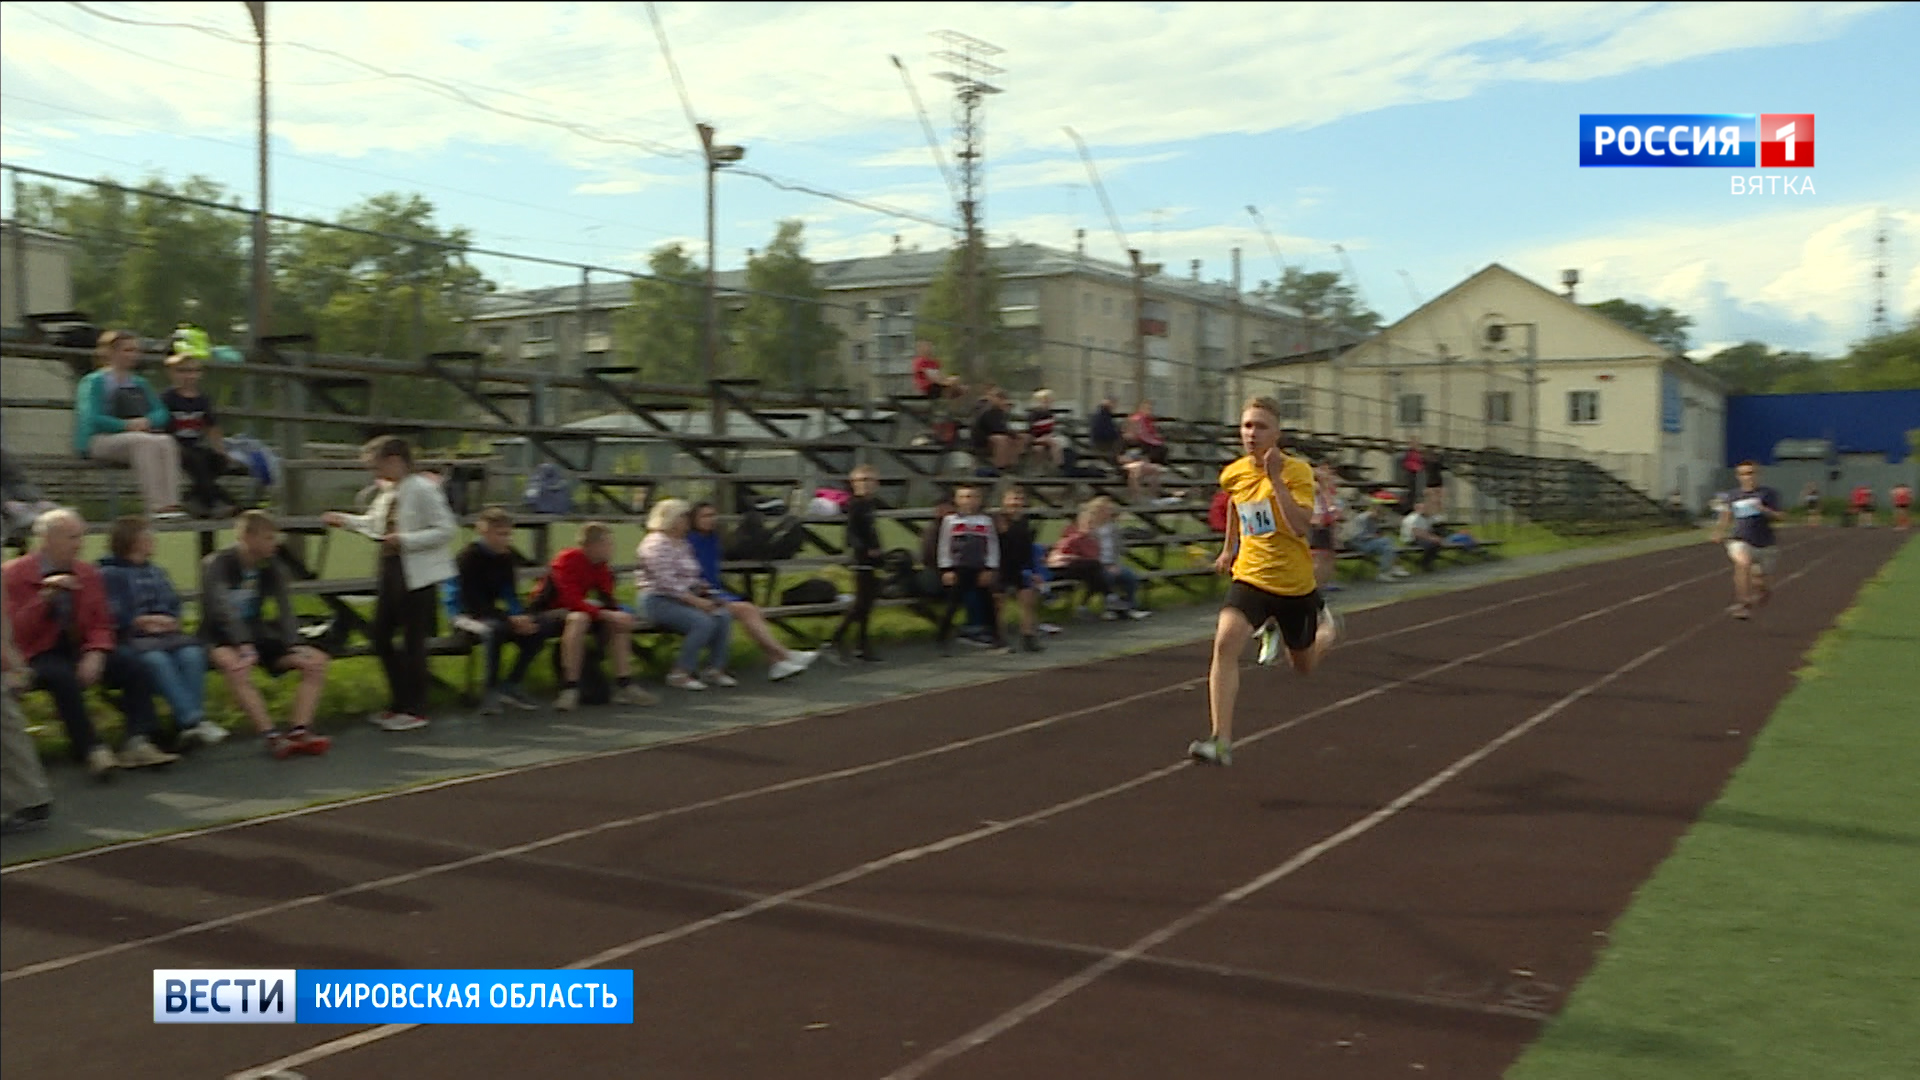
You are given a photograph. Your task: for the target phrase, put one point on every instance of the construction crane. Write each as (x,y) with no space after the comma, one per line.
(926,125)
(1140,269)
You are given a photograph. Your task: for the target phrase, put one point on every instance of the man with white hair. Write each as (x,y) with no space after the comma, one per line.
(62,624)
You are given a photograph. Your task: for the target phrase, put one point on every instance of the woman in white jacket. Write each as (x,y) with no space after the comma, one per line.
(416,528)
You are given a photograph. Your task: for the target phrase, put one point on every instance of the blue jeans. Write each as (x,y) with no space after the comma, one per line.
(1381,548)
(711,634)
(1124,584)
(180,675)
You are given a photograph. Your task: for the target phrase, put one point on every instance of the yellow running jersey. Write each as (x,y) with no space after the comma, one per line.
(1269,558)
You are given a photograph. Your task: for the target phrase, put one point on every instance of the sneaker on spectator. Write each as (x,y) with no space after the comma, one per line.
(279,745)
(1048,628)
(517,698)
(491,705)
(631,695)
(794,664)
(680,680)
(139,753)
(204,733)
(1137,614)
(25,818)
(304,741)
(1400,572)
(398,721)
(568,700)
(716,677)
(101,762)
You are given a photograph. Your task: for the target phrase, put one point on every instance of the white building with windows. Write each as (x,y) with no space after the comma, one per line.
(1456,371)
(1070,316)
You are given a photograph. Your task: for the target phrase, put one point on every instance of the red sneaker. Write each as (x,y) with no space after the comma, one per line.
(281,745)
(306,742)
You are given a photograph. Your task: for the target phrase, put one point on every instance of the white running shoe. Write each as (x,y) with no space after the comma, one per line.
(1211,751)
(396,721)
(206,733)
(1269,644)
(794,664)
(1332,627)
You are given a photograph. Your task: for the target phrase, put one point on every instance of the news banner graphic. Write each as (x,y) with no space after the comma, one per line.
(1697,141)
(268,996)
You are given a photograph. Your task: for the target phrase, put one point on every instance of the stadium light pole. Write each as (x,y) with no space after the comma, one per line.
(262,311)
(718,157)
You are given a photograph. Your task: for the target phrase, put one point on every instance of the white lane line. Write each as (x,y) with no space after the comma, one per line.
(798,783)
(335,1047)
(1060,991)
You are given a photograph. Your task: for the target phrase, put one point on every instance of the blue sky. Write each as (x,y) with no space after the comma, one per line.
(1427,139)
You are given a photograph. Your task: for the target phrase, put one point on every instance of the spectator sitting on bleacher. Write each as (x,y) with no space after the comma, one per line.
(65,632)
(26,800)
(1042,437)
(490,609)
(1144,432)
(118,418)
(580,583)
(1416,530)
(1123,584)
(995,444)
(705,540)
(146,617)
(235,586)
(674,595)
(194,425)
(1144,476)
(863,557)
(1369,539)
(22,498)
(1103,431)
(926,371)
(1076,555)
(1019,577)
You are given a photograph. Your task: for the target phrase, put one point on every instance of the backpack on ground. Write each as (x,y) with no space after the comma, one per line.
(811,591)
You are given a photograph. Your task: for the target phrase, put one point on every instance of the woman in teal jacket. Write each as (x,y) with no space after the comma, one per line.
(118,418)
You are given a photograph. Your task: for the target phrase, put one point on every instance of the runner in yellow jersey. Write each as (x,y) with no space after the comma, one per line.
(1270,513)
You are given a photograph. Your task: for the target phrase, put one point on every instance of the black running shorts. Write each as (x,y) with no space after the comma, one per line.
(1297,616)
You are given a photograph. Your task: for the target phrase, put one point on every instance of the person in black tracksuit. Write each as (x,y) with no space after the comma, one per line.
(863,553)
(969,557)
(1018,577)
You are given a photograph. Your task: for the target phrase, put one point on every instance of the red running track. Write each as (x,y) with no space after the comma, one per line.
(1413,860)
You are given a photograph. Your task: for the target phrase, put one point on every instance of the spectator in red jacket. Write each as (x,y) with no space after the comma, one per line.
(64,629)
(926,372)
(580,583)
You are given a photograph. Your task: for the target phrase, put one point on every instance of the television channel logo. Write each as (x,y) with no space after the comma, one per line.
(1697,140)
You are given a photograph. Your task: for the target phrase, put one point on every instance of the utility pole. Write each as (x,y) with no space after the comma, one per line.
(1139,326)
(262,314)
(717,157)
(968,57)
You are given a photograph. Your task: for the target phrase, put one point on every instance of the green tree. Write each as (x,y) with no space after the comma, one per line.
(1665,326)
(784,336)
(146,261)
(660,333)
(943,319)
(1323,297)
(1753,368)
(390,283)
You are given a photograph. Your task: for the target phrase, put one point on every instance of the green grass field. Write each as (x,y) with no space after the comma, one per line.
(1779,940)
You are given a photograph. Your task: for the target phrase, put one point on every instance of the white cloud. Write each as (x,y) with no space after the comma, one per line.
(1794,278)
(1138,74)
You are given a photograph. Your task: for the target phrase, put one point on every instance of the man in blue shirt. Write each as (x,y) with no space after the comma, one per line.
(1749,513)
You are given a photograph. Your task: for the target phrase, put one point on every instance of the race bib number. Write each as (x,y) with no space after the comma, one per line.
(1746,508)
(1256,519)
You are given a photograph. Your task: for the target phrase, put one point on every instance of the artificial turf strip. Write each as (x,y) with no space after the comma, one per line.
(1780,938)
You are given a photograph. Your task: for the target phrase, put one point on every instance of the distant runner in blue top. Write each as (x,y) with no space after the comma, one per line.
(1750,510)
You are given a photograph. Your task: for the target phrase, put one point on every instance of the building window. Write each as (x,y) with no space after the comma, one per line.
(860,311)
(1583,406)
(859,353)
(1412,410)
(1293,403)
(1500,407)
(540,330)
